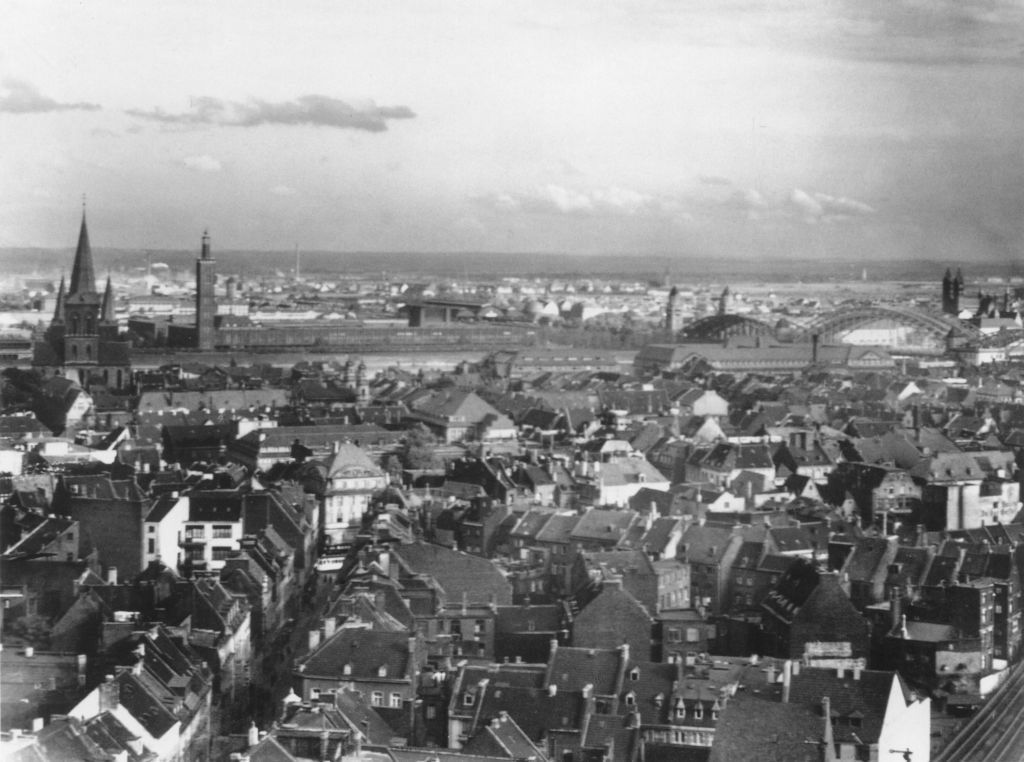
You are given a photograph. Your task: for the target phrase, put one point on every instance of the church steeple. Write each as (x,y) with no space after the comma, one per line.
(107,311)
(58,312)
(83,275)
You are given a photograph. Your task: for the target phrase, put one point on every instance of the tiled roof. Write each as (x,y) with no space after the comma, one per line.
(864,698)
(570,669)
(364,651)
(602,525)
(458,573)
(558,528)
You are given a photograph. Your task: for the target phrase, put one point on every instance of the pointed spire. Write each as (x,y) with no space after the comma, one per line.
(58,312)
(107,314)
(83,276)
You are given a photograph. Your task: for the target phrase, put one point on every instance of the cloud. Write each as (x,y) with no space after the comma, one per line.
(20,97)
(559,199)
(317,110)
(715,180)
(283,190)
(823,207)
(204,163)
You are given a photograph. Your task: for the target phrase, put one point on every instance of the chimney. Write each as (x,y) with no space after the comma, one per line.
(109,693)
(329,626)
(112,575)
(857,672)
(552,689)
(29,652)
(253,737)
(840,672)
(37,724)
(827,741)
(770,673)
(796,667)
(895,609)
(314,639)
(787,678)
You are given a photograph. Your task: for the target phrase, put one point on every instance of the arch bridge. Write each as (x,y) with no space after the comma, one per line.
(908,327)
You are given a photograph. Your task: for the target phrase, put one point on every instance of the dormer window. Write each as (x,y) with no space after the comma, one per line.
(468,699)
(634,674)
(698,711)
(631,699)
(382,671)
(680,712)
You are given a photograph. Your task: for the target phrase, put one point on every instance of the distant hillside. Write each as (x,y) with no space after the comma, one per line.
(423,265)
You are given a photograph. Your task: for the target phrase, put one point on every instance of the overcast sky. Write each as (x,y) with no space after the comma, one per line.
(864,129)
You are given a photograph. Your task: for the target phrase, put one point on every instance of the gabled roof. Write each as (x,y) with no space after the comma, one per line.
(602,525)
(350,460)
(363,651)
(571,669)
(457,573)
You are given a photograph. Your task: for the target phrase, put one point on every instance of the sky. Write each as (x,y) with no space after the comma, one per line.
(854,130)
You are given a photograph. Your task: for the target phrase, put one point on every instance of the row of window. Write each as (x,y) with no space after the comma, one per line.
(377,698)
(219,532)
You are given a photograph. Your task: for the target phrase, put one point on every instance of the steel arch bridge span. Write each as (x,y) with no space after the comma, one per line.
(930,327)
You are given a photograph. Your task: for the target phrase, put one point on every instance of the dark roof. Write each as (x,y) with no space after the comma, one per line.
(365,651)
(458,573)
(570,669)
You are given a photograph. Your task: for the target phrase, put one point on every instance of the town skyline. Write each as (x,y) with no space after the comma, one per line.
(864,131)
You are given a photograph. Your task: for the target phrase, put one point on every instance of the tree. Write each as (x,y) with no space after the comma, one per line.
(33,629)
(418,451)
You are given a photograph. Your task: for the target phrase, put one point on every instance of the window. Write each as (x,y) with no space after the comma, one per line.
(195,533)
(150,529)
(396,700)
(692,635)
(468,699)
(222,532)
(634,674)
(347,669)
(151,545)
(314,693)
(675,635)
(382,670)
(479,627)
(377,698)
(431,711)
(631,699)
(222,552)
(680,712)
(698,711)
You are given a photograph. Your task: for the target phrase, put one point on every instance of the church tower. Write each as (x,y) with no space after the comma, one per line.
(725,301)
(206,302)
(82,307)
(952,287)
(673,312)
(83,341)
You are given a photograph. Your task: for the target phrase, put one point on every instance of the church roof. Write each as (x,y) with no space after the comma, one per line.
(107,314)
(83,275)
